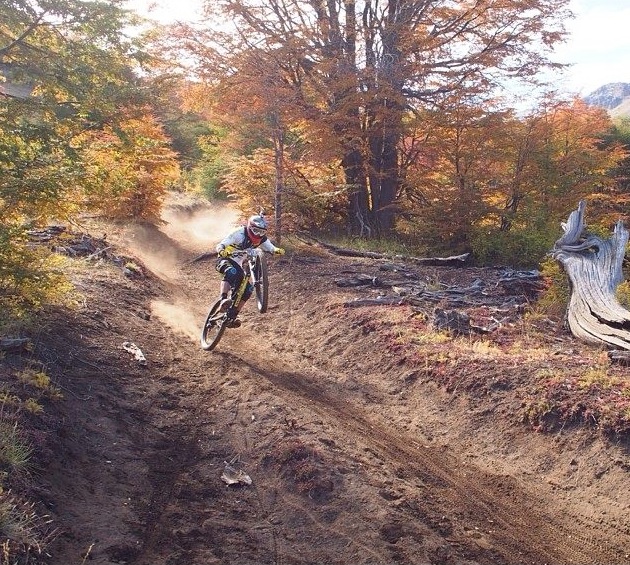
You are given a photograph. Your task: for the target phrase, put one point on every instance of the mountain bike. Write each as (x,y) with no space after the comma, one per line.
(218,320)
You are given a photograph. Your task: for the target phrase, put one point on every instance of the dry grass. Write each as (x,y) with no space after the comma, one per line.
(562,381)
(596,396)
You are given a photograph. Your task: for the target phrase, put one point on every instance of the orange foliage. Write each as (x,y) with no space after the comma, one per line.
(478,168)
(129,170)
(311,197)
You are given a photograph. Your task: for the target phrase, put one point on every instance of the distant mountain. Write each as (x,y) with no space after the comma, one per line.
(615,97)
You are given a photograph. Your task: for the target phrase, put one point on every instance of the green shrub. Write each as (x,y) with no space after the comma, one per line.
(29,278)
(623,294)
(517,248)
(554,299)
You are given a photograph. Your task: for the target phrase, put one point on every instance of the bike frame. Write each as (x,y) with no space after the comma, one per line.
(249,272)
(254,267)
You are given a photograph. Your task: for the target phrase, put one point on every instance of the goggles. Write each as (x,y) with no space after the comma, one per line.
(258,231)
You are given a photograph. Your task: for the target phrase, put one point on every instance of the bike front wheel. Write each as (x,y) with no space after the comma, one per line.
(261,285)
(213,327)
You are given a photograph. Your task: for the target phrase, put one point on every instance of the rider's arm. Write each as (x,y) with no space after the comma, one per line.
(271,248)
(267,246)
(233,239)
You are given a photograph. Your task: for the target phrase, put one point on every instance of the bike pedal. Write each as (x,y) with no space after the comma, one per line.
(233,323)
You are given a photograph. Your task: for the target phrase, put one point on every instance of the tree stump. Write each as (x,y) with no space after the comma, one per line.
(594,268)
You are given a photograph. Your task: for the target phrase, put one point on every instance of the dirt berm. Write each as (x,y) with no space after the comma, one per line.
(360,436)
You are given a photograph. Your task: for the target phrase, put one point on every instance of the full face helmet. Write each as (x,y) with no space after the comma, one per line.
(256,228)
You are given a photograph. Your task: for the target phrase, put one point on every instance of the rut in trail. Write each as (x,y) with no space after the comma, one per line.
(355,454)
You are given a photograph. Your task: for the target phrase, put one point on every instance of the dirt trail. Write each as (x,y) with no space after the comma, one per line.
(355,454)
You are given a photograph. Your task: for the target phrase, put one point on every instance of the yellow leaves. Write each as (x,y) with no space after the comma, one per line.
(311,192)
(29,278)
(129,170)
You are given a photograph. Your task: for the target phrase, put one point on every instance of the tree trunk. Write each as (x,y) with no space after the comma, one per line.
(594,267)
(384,180)
(359,213)
(278,144)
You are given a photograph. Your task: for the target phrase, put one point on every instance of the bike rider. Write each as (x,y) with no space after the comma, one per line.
(232,254)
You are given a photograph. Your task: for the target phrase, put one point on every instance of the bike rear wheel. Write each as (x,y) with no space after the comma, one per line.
(213,327)
(261,287)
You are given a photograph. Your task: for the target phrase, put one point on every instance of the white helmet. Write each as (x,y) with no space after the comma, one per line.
(256,226)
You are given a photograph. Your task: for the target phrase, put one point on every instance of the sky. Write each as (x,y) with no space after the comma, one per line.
(598,47)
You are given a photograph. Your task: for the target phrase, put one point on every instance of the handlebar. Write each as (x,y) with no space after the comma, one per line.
(251,252)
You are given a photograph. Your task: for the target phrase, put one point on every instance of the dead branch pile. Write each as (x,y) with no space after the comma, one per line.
(497,296)
(75,244)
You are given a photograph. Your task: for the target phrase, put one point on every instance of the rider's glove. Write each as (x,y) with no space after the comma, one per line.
(278,251)
(225,251)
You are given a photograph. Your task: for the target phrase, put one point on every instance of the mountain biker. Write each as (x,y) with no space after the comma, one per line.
(232,254)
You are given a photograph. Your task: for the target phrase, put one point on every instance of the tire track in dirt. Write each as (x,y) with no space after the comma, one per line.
(169,446)
(520,530)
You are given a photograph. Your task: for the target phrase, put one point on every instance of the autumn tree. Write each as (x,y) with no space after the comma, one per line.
(503,181)
(454,156)
(64,68)
(356,69)
(128,171)
(555,157)
(614,203)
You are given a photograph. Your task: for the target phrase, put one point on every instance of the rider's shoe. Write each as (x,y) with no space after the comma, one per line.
(235,323)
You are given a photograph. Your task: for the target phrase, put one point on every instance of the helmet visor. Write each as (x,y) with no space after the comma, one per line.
(258,231)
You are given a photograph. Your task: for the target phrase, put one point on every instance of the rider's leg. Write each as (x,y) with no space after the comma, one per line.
(232,276)
(234,311)
(225,288)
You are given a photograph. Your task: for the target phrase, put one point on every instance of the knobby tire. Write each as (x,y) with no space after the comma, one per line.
(262,283)
(213,328)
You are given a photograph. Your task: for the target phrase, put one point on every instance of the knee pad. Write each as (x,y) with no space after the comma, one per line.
(231,271)
(231,275)
(222,266)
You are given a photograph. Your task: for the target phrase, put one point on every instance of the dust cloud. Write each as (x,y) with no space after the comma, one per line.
(179,317)
(199,229)
(189,229)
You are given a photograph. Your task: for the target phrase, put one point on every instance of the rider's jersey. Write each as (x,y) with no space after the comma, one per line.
(241,241)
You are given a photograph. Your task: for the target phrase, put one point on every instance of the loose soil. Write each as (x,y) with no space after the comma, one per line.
(367,439)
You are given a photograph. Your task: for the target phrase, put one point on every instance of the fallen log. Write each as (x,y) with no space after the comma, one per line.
(451,261)
(15,344)
(379,301)
(594,268)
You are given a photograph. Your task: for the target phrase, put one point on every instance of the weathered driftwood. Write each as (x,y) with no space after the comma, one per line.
(497,302)
(594,268)
(529,283)
(378,301)
(459,323)
(620,357)
(359,279)
(65,242)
